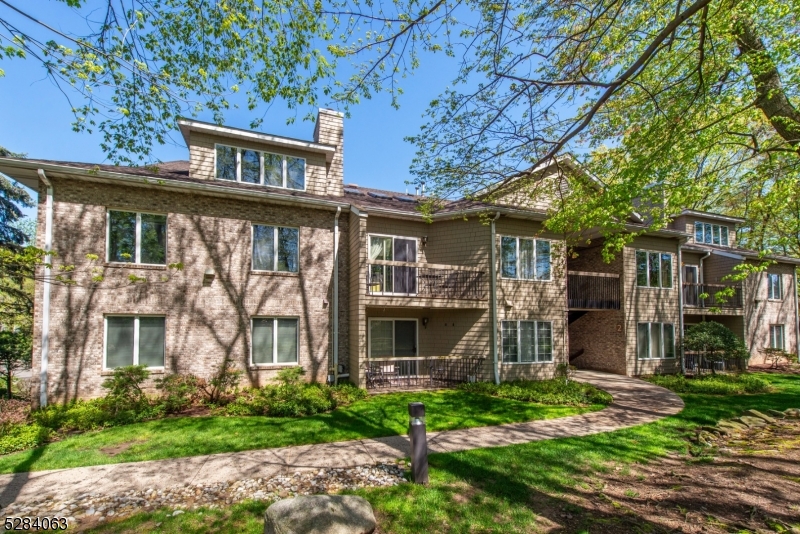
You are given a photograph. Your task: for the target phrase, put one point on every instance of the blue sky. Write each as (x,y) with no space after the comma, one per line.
(37,120)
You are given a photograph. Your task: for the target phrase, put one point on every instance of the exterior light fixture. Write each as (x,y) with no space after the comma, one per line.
(208,276)
(424,240)
(419,442)
(425,322)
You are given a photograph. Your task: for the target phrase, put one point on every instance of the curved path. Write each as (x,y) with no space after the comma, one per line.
(635,402)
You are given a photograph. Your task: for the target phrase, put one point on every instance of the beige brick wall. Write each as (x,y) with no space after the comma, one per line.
(205,323)
(760,312)
(601,335)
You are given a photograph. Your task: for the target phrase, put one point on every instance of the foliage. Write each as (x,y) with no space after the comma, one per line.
(716,341)
(222,385)
(15,354)
(13,412)
(291,376)
(565,371)
(21,437)
(293,398)
(125,393)
(713,384)
(178,392)
(80,415)
(554,392)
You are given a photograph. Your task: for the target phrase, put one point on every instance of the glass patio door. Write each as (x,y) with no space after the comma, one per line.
(405,278)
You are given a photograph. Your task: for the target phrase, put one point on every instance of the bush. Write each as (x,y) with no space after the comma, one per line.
(221,388)
(712,384)
(178,392)
(12,413)
(25,436)
(346,394)
(555,391)
(125,390)
(716,341)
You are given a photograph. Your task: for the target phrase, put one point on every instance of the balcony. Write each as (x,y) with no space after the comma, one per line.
(424,372)
(592,291)
(704,296)
(425,281)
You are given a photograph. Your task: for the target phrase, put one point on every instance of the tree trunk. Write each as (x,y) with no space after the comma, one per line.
(771,97)
(8,384)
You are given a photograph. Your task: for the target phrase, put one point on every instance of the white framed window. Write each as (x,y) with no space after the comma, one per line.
(527,341)
(392,279)
(653,269)
(655,341)
(774,286)
(776,338)
(250,166)
(136,237)
(134,340)
(274,340)
(524,258)
(711,234)
(393,337)
(275,248)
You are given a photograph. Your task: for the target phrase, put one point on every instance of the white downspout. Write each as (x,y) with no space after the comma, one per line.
(493,286)
(336,296)
(48,243)
(796,317)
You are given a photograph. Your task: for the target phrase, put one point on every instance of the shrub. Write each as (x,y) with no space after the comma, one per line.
(21,437)
(716,341)
(346,394)
(178,392)
(291,375)
(125,392)
(555,391)
(80,415)
(13,412)
(712,384)
(221,388)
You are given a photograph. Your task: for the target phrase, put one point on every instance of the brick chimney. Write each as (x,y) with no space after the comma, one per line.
(330,131)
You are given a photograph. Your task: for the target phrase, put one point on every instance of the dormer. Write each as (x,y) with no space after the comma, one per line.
(708,228)
(279,164)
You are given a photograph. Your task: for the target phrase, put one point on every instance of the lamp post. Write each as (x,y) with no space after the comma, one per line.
(419,442)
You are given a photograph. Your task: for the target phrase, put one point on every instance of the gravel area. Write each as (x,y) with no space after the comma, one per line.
(94,507)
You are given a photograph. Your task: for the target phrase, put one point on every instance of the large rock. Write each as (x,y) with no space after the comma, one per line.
(320,514)
(752,422)
(756,413)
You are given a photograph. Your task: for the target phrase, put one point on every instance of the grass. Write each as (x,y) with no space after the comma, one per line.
(503,490)
(713,384)
(379,415)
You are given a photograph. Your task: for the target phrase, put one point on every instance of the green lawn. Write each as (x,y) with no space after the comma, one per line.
(501,489)
(380,415)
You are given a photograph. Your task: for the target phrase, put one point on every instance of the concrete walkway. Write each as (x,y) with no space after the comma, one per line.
(635,402)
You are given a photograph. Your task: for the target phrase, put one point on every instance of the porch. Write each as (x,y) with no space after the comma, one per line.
(698,298)
(422,372)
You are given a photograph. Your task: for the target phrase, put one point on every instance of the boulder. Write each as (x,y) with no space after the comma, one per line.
(776,414)
(733,425)
(756,413)
(793,413)
(752,422)
(320,514)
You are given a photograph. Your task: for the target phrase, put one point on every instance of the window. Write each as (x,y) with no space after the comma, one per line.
(711,234)
(774,286)
(392,279)
(655,341)
(275,248)
(392,338)
(134,340)
(137,238)
(524,259)
(776,337)
(653,269)
(527,341)
(274,341)
(263,168)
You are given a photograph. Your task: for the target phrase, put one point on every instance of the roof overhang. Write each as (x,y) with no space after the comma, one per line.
(188,126)
(713,216)
(26,172)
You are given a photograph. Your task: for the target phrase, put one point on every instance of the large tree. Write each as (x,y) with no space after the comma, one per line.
(670,103)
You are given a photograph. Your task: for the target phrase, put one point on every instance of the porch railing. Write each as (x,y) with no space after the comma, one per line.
(425,280)
(699,363)
(593,291)
(423,371)
(705,296)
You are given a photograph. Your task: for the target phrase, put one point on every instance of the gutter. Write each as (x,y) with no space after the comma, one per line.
(493,285)
(48,243)
(336,296)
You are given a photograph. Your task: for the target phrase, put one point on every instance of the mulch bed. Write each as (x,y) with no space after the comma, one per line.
(748,483)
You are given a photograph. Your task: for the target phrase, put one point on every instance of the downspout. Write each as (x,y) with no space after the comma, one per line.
(48,242)
(493,286)
(680,305)
(336,296)
(796,317)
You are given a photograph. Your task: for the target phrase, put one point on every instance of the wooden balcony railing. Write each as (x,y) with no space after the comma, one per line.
(423,371)
(705,296)
(393,278)
(592,291)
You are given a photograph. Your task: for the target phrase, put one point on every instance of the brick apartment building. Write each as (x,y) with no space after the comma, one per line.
(284,264)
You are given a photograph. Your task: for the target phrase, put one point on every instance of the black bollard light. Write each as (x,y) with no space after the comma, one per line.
(419,442)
